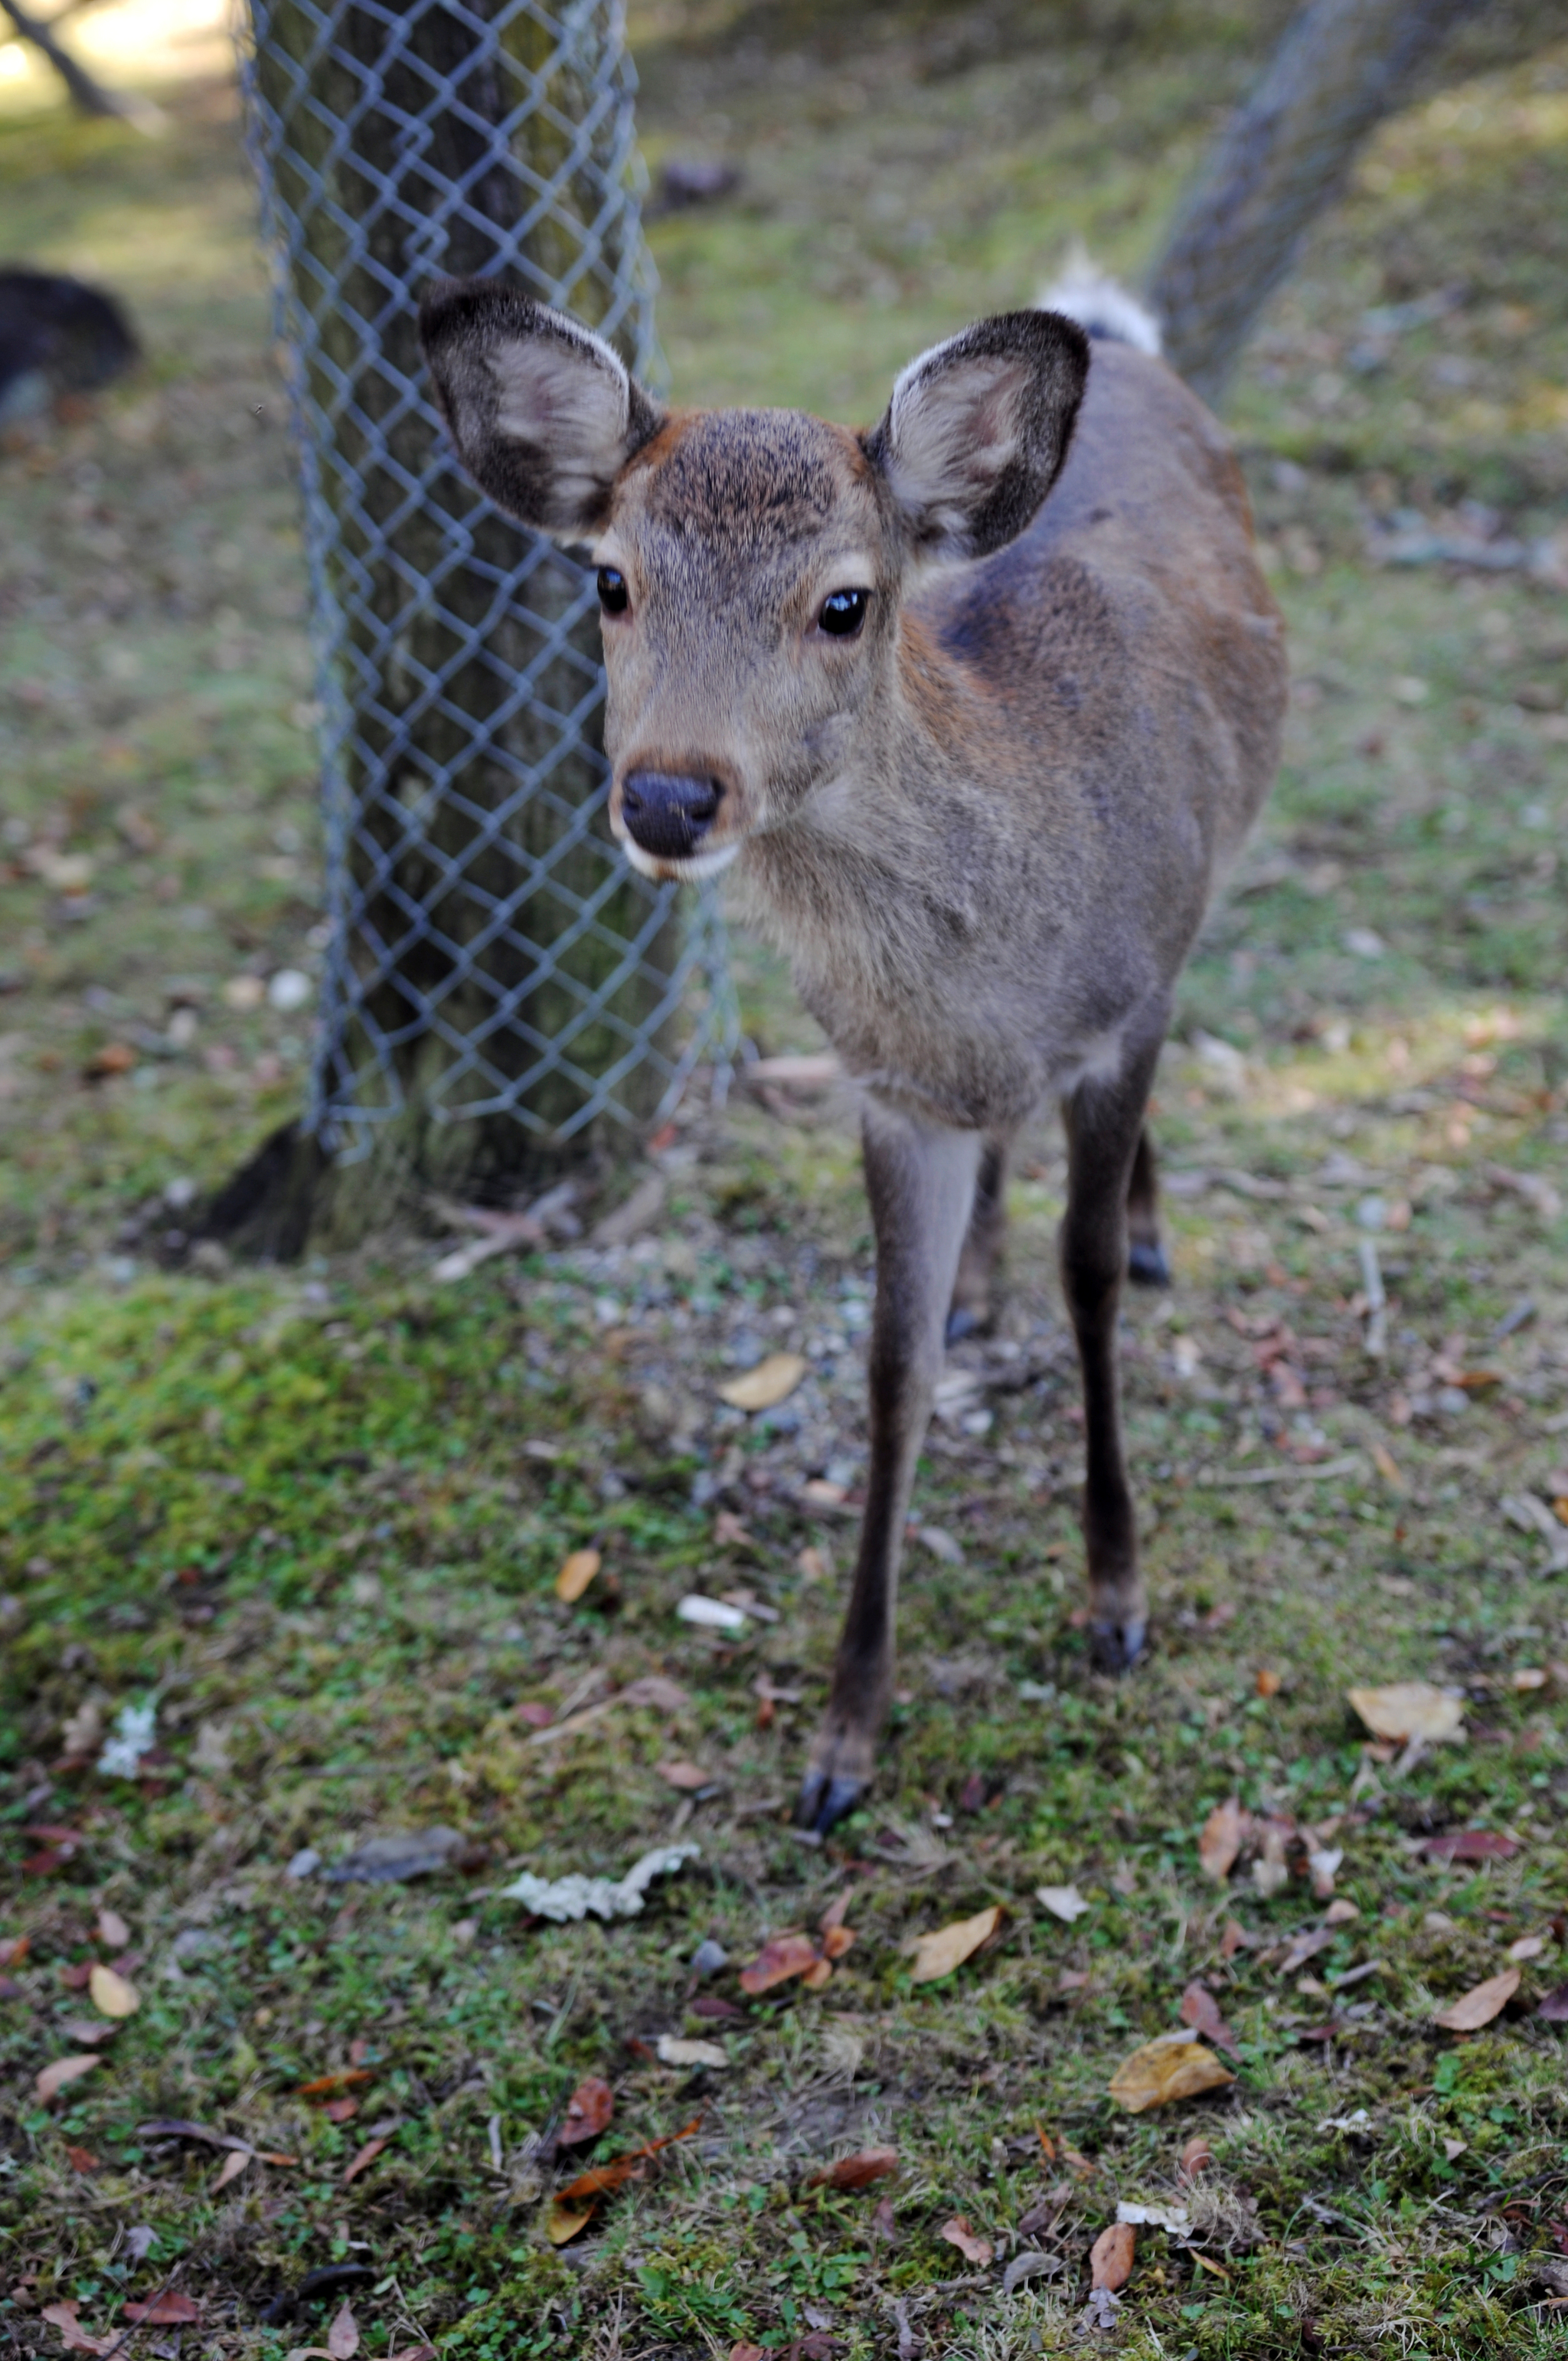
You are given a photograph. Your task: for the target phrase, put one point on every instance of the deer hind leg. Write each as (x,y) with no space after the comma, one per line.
(920,1180)
(1146,1263)
(1105,1123)
(973,1307)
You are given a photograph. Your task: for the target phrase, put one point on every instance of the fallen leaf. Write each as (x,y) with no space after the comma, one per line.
(1111,2257)
(365,2159)
(1478,2006)
(113,1930)
(1220,1841)
(687,1776)
(179,2128)
(53,2079)
(1063,1902)
(747,2353)
(1409,1709)
(232,2165)
(1175,2066)
(343,2336)
(576,1574)
(836,1910)
(77,2338)
(1470,1844)
(344,2079)
(1341,1912)
(939,1954)
(1197,2155)
(710,1614)
(1529,1947)
(836,1941)
(81,2159)
(588,2110)
(168,2309)
(1530,1677)
(1267,1681)
(1554,2007)
(1201,2010)
(957,2233)
(672,2051)
(769,1383)
(341,2111)
(856,2171)
(1218,2268)
(1453,2148)
(820,1973)
(112,1995)
(781,1957)
(565,2220)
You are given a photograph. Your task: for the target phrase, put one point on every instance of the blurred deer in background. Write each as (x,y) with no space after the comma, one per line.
(980,703)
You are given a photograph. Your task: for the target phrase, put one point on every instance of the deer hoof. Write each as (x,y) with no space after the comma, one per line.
(825,1797)
(1147,1264)
(1117,1645)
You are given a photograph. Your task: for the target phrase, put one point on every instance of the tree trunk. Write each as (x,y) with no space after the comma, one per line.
(494,968)
(1285,155)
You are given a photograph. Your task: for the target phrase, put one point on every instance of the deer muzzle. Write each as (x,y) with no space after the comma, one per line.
(668,813)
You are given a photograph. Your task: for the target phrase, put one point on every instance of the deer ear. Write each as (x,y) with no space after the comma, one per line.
(543,414)
(978,428)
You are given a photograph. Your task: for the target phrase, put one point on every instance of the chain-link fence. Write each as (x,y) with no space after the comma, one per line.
(499,982)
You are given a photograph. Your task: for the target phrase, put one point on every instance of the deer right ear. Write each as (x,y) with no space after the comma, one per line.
(978,428)
(543,414)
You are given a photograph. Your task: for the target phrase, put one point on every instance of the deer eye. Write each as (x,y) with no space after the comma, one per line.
(843,613)
(614,595)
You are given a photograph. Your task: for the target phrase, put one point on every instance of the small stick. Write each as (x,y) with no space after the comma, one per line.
(1377,1344)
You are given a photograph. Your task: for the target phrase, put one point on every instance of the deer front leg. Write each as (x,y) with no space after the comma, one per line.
(920,1179)
(1104,1129)
(1146,1263)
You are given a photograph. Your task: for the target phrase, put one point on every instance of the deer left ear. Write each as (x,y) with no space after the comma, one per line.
(978,428)
(543,414)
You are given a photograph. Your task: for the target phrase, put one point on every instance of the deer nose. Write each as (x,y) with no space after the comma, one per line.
(668,813)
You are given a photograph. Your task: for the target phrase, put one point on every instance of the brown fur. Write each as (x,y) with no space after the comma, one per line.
(985,829)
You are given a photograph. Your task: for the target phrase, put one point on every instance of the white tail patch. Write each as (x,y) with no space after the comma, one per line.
(1096,301)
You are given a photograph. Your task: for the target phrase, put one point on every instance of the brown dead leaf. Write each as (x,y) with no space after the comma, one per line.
(51,2080)
(576,1574)
(1197,2155)
(1201,2010)
(1175,2066)
(781,1957)
(939,1954)
(856,2171)
(1470,1844)
(836,1910)
(957,2233)
(347,2079)
(232,2165)
(747,2353)
(572,2208)
(365,2158)
(77,2338)
(1478,2006)
(1220,1841)
(112,1930)
(769,1383)
(1409,1709)
(81,2159)
(819,1973)
(588,2110)
(343,2336)
(1267,1681)
(341,2111)
(112,1995)
(687,1776)
(1111,2257)
(167,2309)
(836,1941)
(565,2218)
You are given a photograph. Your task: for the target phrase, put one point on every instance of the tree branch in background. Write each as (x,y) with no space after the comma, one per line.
(86,92)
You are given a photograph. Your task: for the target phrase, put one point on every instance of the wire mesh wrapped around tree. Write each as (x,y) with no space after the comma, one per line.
(501,987)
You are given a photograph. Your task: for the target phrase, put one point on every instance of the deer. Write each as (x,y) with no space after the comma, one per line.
(978,705)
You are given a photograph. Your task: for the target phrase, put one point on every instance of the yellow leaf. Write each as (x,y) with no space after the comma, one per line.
(576,1574)
(565,2218)
(1478,2006)
(1409,1709)
(112,1994)
(769,1383)
(939,1954)
(53,2079)
(1175,2066)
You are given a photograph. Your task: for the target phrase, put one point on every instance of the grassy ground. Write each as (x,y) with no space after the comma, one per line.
(315,1516)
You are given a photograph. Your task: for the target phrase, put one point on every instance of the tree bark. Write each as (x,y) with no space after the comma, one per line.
(1286,154)
(481,981)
